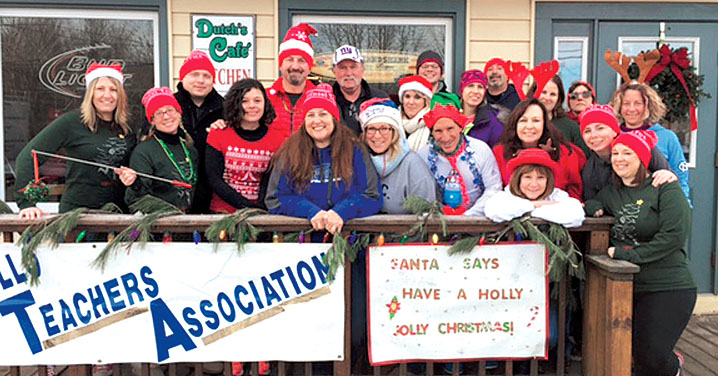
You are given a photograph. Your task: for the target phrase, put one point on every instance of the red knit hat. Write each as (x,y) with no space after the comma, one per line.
(533,156)
(598,113)
(297,42)
(158,97)
(470,77)
(416,83)
(322,96)
(95,71)
(442,111)
(495,61)
(197,60)
(641,142)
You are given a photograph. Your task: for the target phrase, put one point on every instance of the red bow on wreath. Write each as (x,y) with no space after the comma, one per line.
(676,60)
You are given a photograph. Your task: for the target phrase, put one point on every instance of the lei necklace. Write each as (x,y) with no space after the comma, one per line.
(192,178)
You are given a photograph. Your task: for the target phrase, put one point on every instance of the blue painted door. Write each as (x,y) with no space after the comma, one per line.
(700,38)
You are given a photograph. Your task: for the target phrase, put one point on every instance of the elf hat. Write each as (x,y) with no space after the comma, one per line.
(297,42)
(417,83)
(197,60)
(322,96)
(380,110)
(533,156)
(598,113)
(449,99)
(429,56)
(95,71)
(158,97)
(444,111)
(495,61)
(641,142)
(470,77)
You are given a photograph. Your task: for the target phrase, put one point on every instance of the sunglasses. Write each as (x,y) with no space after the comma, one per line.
(584,95)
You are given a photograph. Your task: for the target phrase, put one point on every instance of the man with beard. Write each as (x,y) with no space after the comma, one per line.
(201,106)
(350,89)
(500,92)
(296,58)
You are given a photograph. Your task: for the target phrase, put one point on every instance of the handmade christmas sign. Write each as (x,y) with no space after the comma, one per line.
(491,303)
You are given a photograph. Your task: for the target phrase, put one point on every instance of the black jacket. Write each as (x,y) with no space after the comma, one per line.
(196,120)
(349,110)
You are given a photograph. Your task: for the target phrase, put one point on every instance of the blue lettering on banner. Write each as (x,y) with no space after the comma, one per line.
(161,316)
(17,305)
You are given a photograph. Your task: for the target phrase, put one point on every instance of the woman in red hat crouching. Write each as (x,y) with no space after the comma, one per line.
(532,189)
(650,229)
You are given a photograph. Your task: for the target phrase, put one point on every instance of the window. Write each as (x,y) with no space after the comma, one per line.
(632,46)
(572,55)
(389,45)
(43,59)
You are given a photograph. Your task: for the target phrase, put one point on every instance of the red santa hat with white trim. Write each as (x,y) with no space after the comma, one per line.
(416,83)
(297,42)
(96,70)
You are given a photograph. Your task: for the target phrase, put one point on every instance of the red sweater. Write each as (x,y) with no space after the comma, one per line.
(571,165)
(245,162)
(289,118)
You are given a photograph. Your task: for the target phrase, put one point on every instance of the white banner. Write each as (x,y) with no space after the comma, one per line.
(174,302)
(230,42)
(426,305)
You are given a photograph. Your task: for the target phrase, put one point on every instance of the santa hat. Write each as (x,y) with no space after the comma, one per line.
(641,142)
(444,111)
(602,114)
(197,60)
(297,42)
(416,83)
(495,61)
(322,96)
(429,56)
(380,110)
(533,156)
(158,97)
(95,71)
(472,76)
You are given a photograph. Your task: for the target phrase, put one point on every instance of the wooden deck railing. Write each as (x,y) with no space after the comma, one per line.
(607,299)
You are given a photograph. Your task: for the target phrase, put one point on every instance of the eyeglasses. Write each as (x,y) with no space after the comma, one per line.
(170,111)
(382,131)
(584,95)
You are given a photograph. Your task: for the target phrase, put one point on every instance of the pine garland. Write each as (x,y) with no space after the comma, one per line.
(424,210)
(138,232)
(235,226)
(4,208)
(50,231)
(341,249)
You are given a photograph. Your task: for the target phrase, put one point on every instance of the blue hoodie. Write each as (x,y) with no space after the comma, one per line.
(363,198)
(670,147)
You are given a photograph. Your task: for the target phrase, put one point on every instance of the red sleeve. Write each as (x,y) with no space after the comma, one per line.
(572,164)
(499,154)
(214,139)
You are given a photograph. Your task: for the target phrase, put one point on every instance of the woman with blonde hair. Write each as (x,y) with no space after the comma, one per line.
(415,94)
(401,171)
(98,132)
(639,107)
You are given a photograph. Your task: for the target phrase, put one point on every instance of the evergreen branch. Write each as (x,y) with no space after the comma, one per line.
(335,255)
(424,210)
(151,204)
(293,237)
(4,208)
(235,226)
(464,246)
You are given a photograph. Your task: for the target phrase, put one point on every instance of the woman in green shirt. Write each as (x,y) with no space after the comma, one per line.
(650,230)
(98,132)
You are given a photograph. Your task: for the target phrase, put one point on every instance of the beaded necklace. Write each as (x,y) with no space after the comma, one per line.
(192,178)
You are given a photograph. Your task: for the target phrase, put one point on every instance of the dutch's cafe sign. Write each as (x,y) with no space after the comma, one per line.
(230,43)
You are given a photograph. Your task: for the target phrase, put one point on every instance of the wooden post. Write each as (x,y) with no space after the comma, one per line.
(344,368)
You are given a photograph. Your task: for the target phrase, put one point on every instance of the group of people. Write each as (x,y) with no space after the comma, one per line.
(331,153)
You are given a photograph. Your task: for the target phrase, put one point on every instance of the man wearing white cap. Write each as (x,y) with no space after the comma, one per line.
(350,89)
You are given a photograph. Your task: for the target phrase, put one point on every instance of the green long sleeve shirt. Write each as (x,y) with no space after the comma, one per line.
(150,158)
(650,230)
(85,186)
